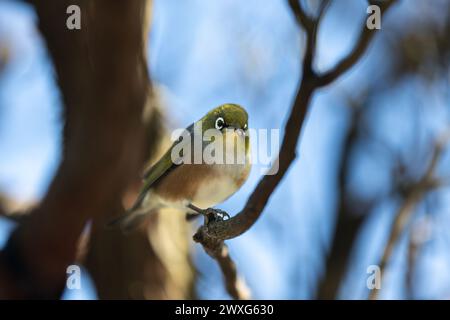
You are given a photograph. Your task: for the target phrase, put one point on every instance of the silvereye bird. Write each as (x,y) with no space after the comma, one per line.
(195,186)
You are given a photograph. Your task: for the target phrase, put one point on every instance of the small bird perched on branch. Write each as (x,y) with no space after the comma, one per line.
(195,177)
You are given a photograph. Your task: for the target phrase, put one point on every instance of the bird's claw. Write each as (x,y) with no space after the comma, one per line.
(215,215)
(210,214)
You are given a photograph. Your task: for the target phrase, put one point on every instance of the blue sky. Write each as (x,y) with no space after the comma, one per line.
(205,53)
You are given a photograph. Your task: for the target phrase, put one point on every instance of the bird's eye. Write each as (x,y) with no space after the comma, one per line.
(245,126)
(220,123)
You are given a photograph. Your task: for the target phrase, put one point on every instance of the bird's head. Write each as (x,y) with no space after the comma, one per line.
(226,116)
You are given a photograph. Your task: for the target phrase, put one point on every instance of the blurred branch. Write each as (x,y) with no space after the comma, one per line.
(102,74)
(413,252)
(300,15)
(240,223)
(350,213)
(361,45)
(416,193)
(403,59)
(211,235)
(217,250)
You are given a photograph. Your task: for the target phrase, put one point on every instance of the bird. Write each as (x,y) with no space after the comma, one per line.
(176,181)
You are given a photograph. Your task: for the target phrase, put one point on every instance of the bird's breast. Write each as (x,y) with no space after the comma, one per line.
(204,185)
(222,184)
(227,177)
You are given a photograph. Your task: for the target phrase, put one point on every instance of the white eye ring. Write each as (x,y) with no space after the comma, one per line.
(245,126)
(220,123)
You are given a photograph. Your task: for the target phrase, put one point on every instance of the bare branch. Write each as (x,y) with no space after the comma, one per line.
(15,211)
(311,26)
(350,210)
(324,4)
(361,45)
(416,193)
(212,234)
(257,201)
(300,15)
(219,251)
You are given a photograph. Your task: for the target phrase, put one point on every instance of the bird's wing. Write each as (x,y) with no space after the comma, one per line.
(158,170)
(152,175)
(164,164)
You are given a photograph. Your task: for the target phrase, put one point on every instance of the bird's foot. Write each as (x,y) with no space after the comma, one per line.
(213,215)
(210,214)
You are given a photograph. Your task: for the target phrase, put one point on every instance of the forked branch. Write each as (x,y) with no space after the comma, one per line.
(218,231)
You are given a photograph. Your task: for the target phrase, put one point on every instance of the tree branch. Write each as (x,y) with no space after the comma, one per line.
(217,250)
(417,192)
(102,73)
(361,45)
(212,234)
(300,15)
(350,211)
(257,201)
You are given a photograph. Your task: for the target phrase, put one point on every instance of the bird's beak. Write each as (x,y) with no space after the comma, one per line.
(238,131)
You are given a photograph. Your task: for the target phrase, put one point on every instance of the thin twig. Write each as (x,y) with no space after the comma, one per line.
(416,193)
(217,250)
(300,15)
(214,233)
(350,209)
(364,39)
